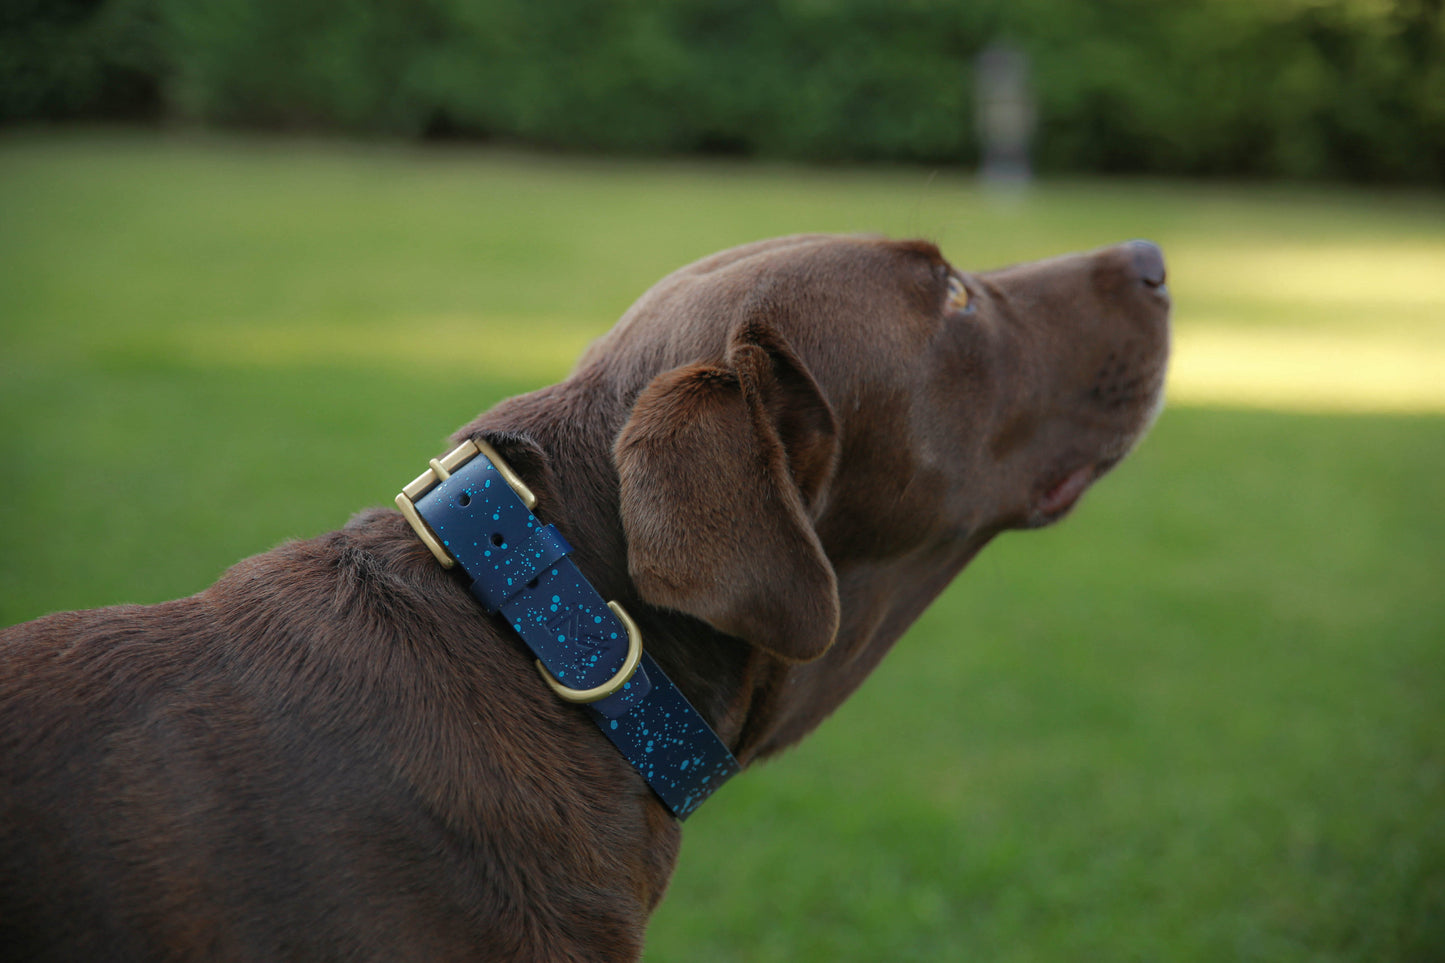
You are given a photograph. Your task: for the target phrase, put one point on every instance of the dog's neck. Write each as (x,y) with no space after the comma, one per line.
(757,703)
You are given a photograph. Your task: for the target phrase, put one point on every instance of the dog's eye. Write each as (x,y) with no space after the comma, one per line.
(958,299)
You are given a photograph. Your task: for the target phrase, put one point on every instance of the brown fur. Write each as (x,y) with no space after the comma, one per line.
(776,460)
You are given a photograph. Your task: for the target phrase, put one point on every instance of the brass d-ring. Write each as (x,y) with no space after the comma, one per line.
(612,685)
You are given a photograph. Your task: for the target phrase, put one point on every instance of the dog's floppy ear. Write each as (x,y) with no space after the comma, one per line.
(723,468)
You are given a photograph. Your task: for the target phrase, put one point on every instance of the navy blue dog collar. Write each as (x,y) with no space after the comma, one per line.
(472,510)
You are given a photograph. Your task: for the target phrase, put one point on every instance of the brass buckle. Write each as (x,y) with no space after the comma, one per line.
(441,469)
(612,685)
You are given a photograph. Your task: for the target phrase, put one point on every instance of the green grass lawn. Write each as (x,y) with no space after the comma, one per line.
(1204,719)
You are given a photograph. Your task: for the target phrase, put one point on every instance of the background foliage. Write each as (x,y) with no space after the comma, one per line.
(1300,88)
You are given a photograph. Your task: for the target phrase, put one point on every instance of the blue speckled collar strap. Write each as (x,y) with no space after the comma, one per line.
(468,512)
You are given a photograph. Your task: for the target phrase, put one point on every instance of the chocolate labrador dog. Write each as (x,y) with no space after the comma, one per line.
(342,750)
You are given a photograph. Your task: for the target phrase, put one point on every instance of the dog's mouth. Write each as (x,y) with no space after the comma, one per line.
(1057,497)
(1061,490)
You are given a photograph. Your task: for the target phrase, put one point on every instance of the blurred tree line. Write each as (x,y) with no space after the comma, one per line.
(1296,88)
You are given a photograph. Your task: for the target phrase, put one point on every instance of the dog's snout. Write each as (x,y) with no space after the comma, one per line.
(1147,260)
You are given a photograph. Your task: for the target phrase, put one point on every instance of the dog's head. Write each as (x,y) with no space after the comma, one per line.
(816,410)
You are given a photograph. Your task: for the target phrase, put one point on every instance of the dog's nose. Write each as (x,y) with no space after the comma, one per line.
(1148,262)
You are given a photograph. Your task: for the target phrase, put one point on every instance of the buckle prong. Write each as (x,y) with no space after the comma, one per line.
(441,469)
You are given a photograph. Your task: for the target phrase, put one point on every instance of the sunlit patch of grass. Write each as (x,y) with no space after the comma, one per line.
(1390,290)
(1379,277)
(1293,369)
